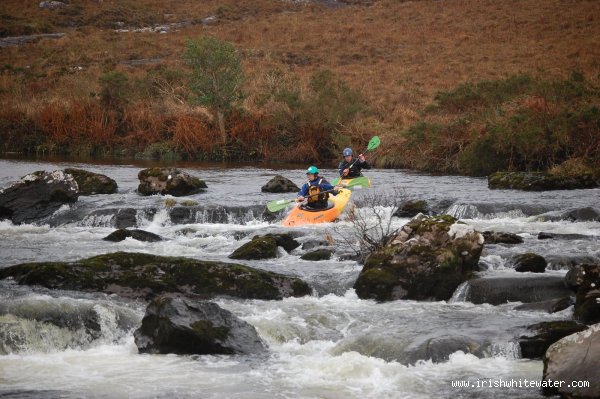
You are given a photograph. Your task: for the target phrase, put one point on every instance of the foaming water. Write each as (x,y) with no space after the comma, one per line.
(329,345)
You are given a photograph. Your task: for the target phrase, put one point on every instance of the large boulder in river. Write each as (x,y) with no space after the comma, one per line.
(540,181)
(185,326)
(497,290)
(37,195)
(92,183)
(574,358)
(540,336)
(427,259)
(280,184)
(137,275)
(170,181)
(585,281)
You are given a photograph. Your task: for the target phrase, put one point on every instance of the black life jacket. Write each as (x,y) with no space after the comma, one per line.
(315,194)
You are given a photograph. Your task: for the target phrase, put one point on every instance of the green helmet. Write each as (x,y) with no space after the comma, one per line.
(312,170)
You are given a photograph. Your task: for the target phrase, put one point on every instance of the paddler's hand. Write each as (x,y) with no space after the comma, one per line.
(345,172)
(300,199)
(337,188)
(361,158)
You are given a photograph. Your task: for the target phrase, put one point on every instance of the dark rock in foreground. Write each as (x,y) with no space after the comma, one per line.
(170,181)
(185,326)
(542,335)
(37,195)
(574,358)
(280,184)
(92,183)
(140,235)
(427,259)
(136,275)
(540,181)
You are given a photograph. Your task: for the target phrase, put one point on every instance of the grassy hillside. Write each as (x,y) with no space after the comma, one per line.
(395,64)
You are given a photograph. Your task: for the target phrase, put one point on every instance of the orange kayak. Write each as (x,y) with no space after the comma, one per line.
(299,216)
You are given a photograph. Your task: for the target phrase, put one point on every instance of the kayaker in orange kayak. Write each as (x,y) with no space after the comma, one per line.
(316,190)
(351,167)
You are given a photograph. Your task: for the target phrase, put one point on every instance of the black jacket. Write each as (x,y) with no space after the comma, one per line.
(355,169)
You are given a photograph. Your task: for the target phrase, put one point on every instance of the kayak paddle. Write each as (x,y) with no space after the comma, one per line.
(277,205)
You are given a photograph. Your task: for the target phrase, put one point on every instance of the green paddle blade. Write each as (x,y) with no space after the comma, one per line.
(373,143)
(278,205)
(357,182)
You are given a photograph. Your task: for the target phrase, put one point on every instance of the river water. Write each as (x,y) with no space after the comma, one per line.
(328,345)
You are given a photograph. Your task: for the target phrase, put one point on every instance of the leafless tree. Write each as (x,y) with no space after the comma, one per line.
(371,221)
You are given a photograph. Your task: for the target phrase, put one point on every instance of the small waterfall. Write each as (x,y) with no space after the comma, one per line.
(464,211)
(461,294)
(508,350)
(44,325)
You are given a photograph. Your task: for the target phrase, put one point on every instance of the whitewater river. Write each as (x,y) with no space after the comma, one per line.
(328,345)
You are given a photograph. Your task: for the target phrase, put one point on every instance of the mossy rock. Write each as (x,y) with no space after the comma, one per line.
(317,255)
(92,183)
(170,181)
(412,208)
(540,181)
(145,276)
(426,260)
(265,247)
(258,248)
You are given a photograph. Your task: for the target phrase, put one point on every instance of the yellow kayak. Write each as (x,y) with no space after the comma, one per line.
(299,216)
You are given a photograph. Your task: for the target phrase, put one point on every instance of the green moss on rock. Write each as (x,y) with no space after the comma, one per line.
(145,276)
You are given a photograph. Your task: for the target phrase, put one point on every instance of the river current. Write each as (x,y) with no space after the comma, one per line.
(328,345)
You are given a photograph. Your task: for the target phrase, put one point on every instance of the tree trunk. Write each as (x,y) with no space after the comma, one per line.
(221,120)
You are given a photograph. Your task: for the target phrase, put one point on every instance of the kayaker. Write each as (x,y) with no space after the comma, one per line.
(351,167)
(316,190)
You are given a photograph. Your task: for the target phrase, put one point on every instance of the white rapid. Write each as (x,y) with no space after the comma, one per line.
(328,345)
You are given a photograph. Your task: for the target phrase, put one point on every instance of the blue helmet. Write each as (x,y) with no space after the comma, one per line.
(347,152)
(313,170)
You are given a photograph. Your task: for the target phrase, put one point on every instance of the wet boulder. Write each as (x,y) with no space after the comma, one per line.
(412,208)
(186,326)
(144,276)
(136,234)
(317,255)
(92,183)
(280,184)
(427,259)
(265,247)
(549,306)
(529,262)
(314,243)
(497,237)
(540,181)
(523,288)
(170,181)
(574,358)
(37,195)
(540,336)
(585,280)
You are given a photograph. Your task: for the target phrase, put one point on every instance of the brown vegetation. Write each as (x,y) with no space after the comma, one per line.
(398,55)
